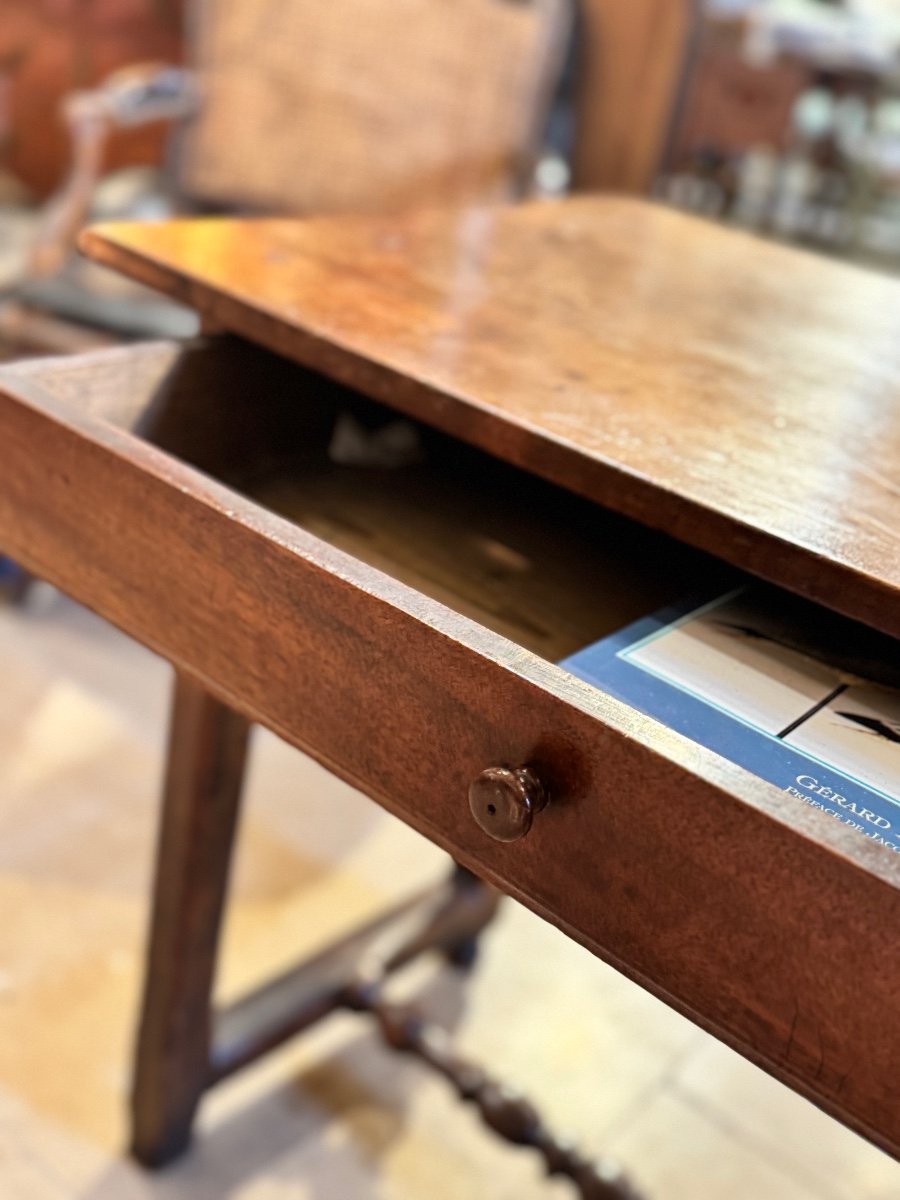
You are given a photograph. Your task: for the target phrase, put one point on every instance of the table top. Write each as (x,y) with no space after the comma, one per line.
(738,394)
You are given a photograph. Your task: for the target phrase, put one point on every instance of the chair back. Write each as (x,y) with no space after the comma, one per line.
(312,106)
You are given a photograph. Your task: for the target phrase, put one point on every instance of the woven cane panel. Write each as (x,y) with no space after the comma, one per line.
(362,105)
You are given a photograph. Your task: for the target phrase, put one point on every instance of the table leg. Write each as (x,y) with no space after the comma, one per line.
(185,1046)
(204,776)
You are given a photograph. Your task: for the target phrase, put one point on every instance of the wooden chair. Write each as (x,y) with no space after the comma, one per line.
(354,106)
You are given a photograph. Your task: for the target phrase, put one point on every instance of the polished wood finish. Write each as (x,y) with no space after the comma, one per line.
(761,921)
(635,62)
(735,393)
(205,772)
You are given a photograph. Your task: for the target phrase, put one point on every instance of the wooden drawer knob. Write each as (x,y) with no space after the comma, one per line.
(504,801)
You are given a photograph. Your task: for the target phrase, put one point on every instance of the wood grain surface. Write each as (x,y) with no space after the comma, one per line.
(764,923)
(740,395)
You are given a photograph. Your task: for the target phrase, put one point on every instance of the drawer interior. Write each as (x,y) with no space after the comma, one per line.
(522,557)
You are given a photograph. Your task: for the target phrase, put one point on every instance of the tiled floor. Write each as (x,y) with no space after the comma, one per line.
(332,1117)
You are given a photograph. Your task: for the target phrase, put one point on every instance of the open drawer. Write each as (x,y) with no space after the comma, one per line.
(400,623)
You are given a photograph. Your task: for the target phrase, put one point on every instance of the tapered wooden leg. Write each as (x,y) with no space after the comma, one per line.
(184,1047)
(204,776)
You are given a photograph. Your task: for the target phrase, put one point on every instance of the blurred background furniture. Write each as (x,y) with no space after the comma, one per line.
(298,108)
(780,115)
(371,112)
(791,124)
(363,105)
(49,48)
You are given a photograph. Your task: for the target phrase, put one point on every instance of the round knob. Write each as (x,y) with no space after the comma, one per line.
(504,801)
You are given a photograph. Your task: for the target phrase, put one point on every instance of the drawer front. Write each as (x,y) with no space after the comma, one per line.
(671,864)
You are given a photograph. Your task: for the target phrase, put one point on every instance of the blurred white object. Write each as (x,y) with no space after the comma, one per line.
(862,34)
(396,444)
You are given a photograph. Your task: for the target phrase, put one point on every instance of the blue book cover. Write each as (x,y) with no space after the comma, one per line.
(803,698)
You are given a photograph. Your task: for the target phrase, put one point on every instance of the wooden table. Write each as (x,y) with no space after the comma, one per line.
(618,404)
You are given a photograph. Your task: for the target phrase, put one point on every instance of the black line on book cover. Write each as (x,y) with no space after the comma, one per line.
(812,711)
